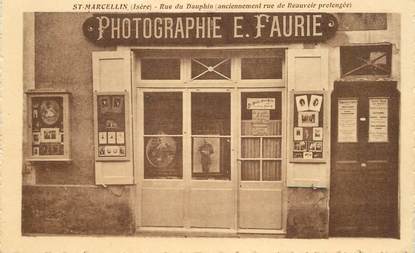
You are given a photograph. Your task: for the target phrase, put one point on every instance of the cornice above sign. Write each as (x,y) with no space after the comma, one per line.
(162,29)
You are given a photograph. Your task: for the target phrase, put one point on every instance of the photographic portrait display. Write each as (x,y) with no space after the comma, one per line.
(308,125)
(111,126)
(47,124)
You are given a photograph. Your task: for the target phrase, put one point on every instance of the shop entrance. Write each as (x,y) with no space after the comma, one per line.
(364,171)
(210,143)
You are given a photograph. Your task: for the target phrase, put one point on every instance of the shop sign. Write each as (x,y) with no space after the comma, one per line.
(208,28)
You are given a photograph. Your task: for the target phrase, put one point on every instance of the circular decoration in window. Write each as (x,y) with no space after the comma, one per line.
(49,112)
(161,151)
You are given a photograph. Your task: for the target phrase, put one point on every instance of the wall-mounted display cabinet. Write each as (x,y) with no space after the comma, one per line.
(48,128)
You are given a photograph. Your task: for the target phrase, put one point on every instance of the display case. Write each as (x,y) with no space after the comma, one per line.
(309,129)
(111,126)
(48,125)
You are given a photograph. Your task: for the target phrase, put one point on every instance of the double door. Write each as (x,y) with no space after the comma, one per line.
(210,159)
(364,173)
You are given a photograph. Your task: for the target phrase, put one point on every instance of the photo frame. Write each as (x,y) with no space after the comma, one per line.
(308,124)
(308,119)
(302,103)
(111,126)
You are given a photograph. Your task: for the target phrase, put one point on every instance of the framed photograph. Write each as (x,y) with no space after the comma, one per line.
(298,133)
(300,146)
(36,138)
(301,103)
(104,103)
(308,119)
(102,137)
(111,138)
(315,102)
(317,133)
(206,155)
(35,151)
(49,135)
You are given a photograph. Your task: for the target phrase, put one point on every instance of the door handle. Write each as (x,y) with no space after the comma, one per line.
(363,165)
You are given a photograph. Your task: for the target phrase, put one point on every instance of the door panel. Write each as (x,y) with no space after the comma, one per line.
(162,207)
(211,208)
(260,208)
(364,174)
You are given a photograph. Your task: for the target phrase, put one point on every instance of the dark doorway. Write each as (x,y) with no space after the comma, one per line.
(364,163)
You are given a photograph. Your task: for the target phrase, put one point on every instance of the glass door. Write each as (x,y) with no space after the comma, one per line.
(262,167)
(185,159)
(161,156)
(212,194)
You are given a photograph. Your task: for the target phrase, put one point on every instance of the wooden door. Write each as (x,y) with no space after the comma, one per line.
(365,168)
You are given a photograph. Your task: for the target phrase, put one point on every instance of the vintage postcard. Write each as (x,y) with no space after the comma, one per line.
(220,126)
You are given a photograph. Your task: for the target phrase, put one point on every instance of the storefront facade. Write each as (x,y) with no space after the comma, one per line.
(225,135)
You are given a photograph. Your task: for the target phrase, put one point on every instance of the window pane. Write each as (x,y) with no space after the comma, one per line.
(163,157)
(250,171)
(261,68)
(250,148)
(160,69)
(211,113)
(271,147)
(271,170)
(365,60)
(211,68)
(211,158)
(163,113)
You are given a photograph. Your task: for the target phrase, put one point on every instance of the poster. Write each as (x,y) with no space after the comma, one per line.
(378,119)
(347,120)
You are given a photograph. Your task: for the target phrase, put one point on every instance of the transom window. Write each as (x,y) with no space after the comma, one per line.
(221,66)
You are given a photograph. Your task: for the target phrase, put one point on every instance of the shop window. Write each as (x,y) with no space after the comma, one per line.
(160,69)
(211,68)
(211,143)
(261,136)
(366,60)
(261,68)
(163,135)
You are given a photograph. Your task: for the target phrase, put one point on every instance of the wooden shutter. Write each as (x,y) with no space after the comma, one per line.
(112,73)
(308,71)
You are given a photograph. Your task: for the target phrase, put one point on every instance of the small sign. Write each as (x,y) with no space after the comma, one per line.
(260,104)
(260,115)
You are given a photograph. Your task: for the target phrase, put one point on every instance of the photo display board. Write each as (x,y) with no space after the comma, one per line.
(308,127)
(111,135)
(48,125)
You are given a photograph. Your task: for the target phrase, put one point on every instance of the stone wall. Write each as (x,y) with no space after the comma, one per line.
(77,210)
(308,213)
